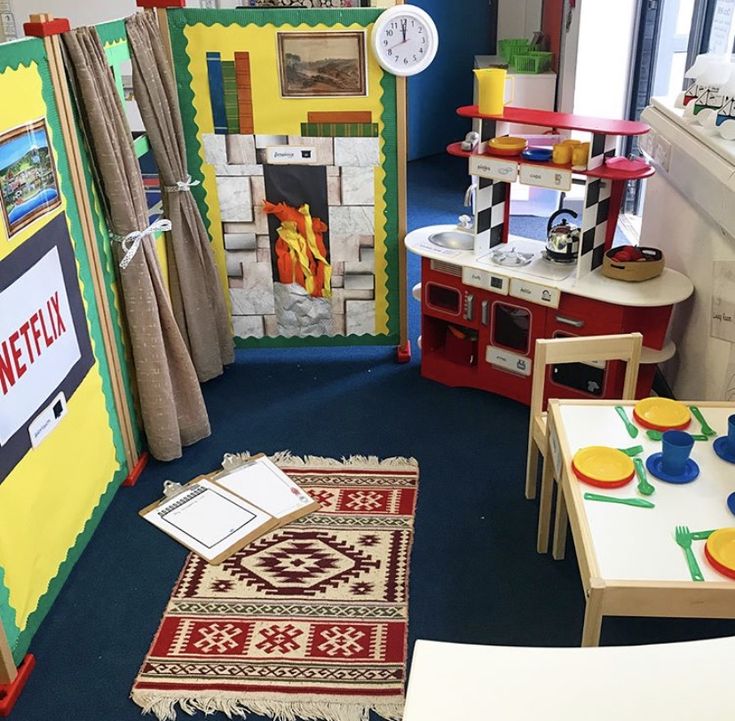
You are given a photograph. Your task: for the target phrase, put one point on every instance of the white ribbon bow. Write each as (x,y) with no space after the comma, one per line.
(182,185)
(131,242)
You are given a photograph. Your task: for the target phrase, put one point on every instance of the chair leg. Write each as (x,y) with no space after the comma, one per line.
(544,509)
(531,467)
(561,523)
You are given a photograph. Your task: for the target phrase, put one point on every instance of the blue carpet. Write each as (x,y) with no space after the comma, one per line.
(475,573)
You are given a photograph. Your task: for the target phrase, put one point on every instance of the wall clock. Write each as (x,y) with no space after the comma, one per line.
(405,40)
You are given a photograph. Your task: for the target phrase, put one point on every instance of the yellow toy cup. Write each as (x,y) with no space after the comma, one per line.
(579,155)
(561,154)
(491,90)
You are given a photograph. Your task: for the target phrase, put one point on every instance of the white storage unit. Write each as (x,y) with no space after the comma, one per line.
(690,214)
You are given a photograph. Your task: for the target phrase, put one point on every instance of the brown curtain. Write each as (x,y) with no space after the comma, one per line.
(172,407)
(196,292)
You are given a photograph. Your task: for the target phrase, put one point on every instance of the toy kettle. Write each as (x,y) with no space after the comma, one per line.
(562,243)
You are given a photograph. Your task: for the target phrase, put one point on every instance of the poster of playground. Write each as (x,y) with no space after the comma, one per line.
(28,182)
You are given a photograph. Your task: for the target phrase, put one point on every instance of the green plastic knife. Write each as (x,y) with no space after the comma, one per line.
(658,435)
(632,451)
(706,429)
(638,502)
(632,430)
(701,535)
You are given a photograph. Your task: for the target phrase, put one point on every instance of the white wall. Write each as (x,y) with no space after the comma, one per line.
(79,12)
(518,18)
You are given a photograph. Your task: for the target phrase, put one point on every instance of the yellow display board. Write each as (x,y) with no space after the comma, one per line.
(250,63)
(54,495)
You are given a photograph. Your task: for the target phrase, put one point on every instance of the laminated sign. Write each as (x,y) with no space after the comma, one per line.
(44,343)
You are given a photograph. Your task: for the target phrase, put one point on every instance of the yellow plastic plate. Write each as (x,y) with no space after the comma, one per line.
(507,145)
(663,412)
(721,547)
(603,464)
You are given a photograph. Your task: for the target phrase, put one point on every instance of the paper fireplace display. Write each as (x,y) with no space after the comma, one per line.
(298,236)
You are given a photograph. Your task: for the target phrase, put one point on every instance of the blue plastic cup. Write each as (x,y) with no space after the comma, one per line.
(731,433)
(676,447)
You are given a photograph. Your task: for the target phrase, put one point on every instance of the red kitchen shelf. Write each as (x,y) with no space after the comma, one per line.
(602,172)
(562,121)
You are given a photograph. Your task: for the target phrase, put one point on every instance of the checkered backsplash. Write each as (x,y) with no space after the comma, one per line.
(596,205)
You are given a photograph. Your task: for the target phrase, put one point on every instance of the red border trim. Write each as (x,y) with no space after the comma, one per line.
(160,3)
(403,352)
(9,692)
(134,474)
(44,30)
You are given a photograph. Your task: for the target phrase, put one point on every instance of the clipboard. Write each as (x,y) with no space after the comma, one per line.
(213,521)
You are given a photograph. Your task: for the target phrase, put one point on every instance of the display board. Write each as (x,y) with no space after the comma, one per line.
(61,452)
(292,129)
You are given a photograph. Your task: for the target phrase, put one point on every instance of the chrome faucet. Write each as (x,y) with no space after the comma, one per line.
(470,198)
(467,222)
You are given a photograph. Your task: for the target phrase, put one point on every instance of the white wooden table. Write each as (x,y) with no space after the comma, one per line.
(628,559)
(668,682)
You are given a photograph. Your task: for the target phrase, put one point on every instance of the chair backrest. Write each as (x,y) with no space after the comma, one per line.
(583,349)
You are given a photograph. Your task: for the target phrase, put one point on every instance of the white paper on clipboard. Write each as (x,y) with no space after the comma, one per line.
(207,519)
(263,483)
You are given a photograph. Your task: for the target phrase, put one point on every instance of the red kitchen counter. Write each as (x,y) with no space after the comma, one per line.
(480,321)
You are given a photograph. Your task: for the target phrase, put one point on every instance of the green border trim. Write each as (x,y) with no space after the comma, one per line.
(181,18)
(112,32)
(31,52)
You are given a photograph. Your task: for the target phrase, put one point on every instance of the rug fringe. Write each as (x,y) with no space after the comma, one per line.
(232,460)
(163,707)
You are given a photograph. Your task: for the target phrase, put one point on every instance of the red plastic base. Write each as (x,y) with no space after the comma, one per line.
(9,692)
(133,476)
(43,30)
(403,352)
(161,3)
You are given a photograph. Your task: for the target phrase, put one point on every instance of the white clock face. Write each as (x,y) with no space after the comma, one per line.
(405,40)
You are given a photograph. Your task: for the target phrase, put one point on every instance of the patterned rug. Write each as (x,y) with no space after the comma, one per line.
(307,622)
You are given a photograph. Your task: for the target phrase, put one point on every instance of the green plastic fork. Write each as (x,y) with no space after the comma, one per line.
(684,539)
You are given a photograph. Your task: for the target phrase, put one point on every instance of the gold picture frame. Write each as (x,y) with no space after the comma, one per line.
(322,64)
(29,186)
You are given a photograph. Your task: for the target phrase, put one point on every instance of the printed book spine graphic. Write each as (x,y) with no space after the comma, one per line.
(216,92)
(230,91)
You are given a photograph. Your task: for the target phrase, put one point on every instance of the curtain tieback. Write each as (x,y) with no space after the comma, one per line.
(181,185)
(131,242)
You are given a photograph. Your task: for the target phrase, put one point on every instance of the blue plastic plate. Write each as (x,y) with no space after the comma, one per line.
(731,503)
(655,467)
(538,155)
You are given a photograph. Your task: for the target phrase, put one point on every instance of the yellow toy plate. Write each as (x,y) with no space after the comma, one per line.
(663,413)
(507,145)
(603,464)
(721,548)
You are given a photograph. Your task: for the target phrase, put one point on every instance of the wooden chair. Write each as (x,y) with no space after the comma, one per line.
(625,347)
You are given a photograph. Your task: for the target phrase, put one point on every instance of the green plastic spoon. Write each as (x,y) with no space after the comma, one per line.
(658,435)
(644,487)
(705,426)
(632,430)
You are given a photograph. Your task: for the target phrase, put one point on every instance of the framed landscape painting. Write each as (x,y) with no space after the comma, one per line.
(328,64)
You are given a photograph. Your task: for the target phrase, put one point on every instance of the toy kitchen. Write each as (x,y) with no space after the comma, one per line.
(487,296)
